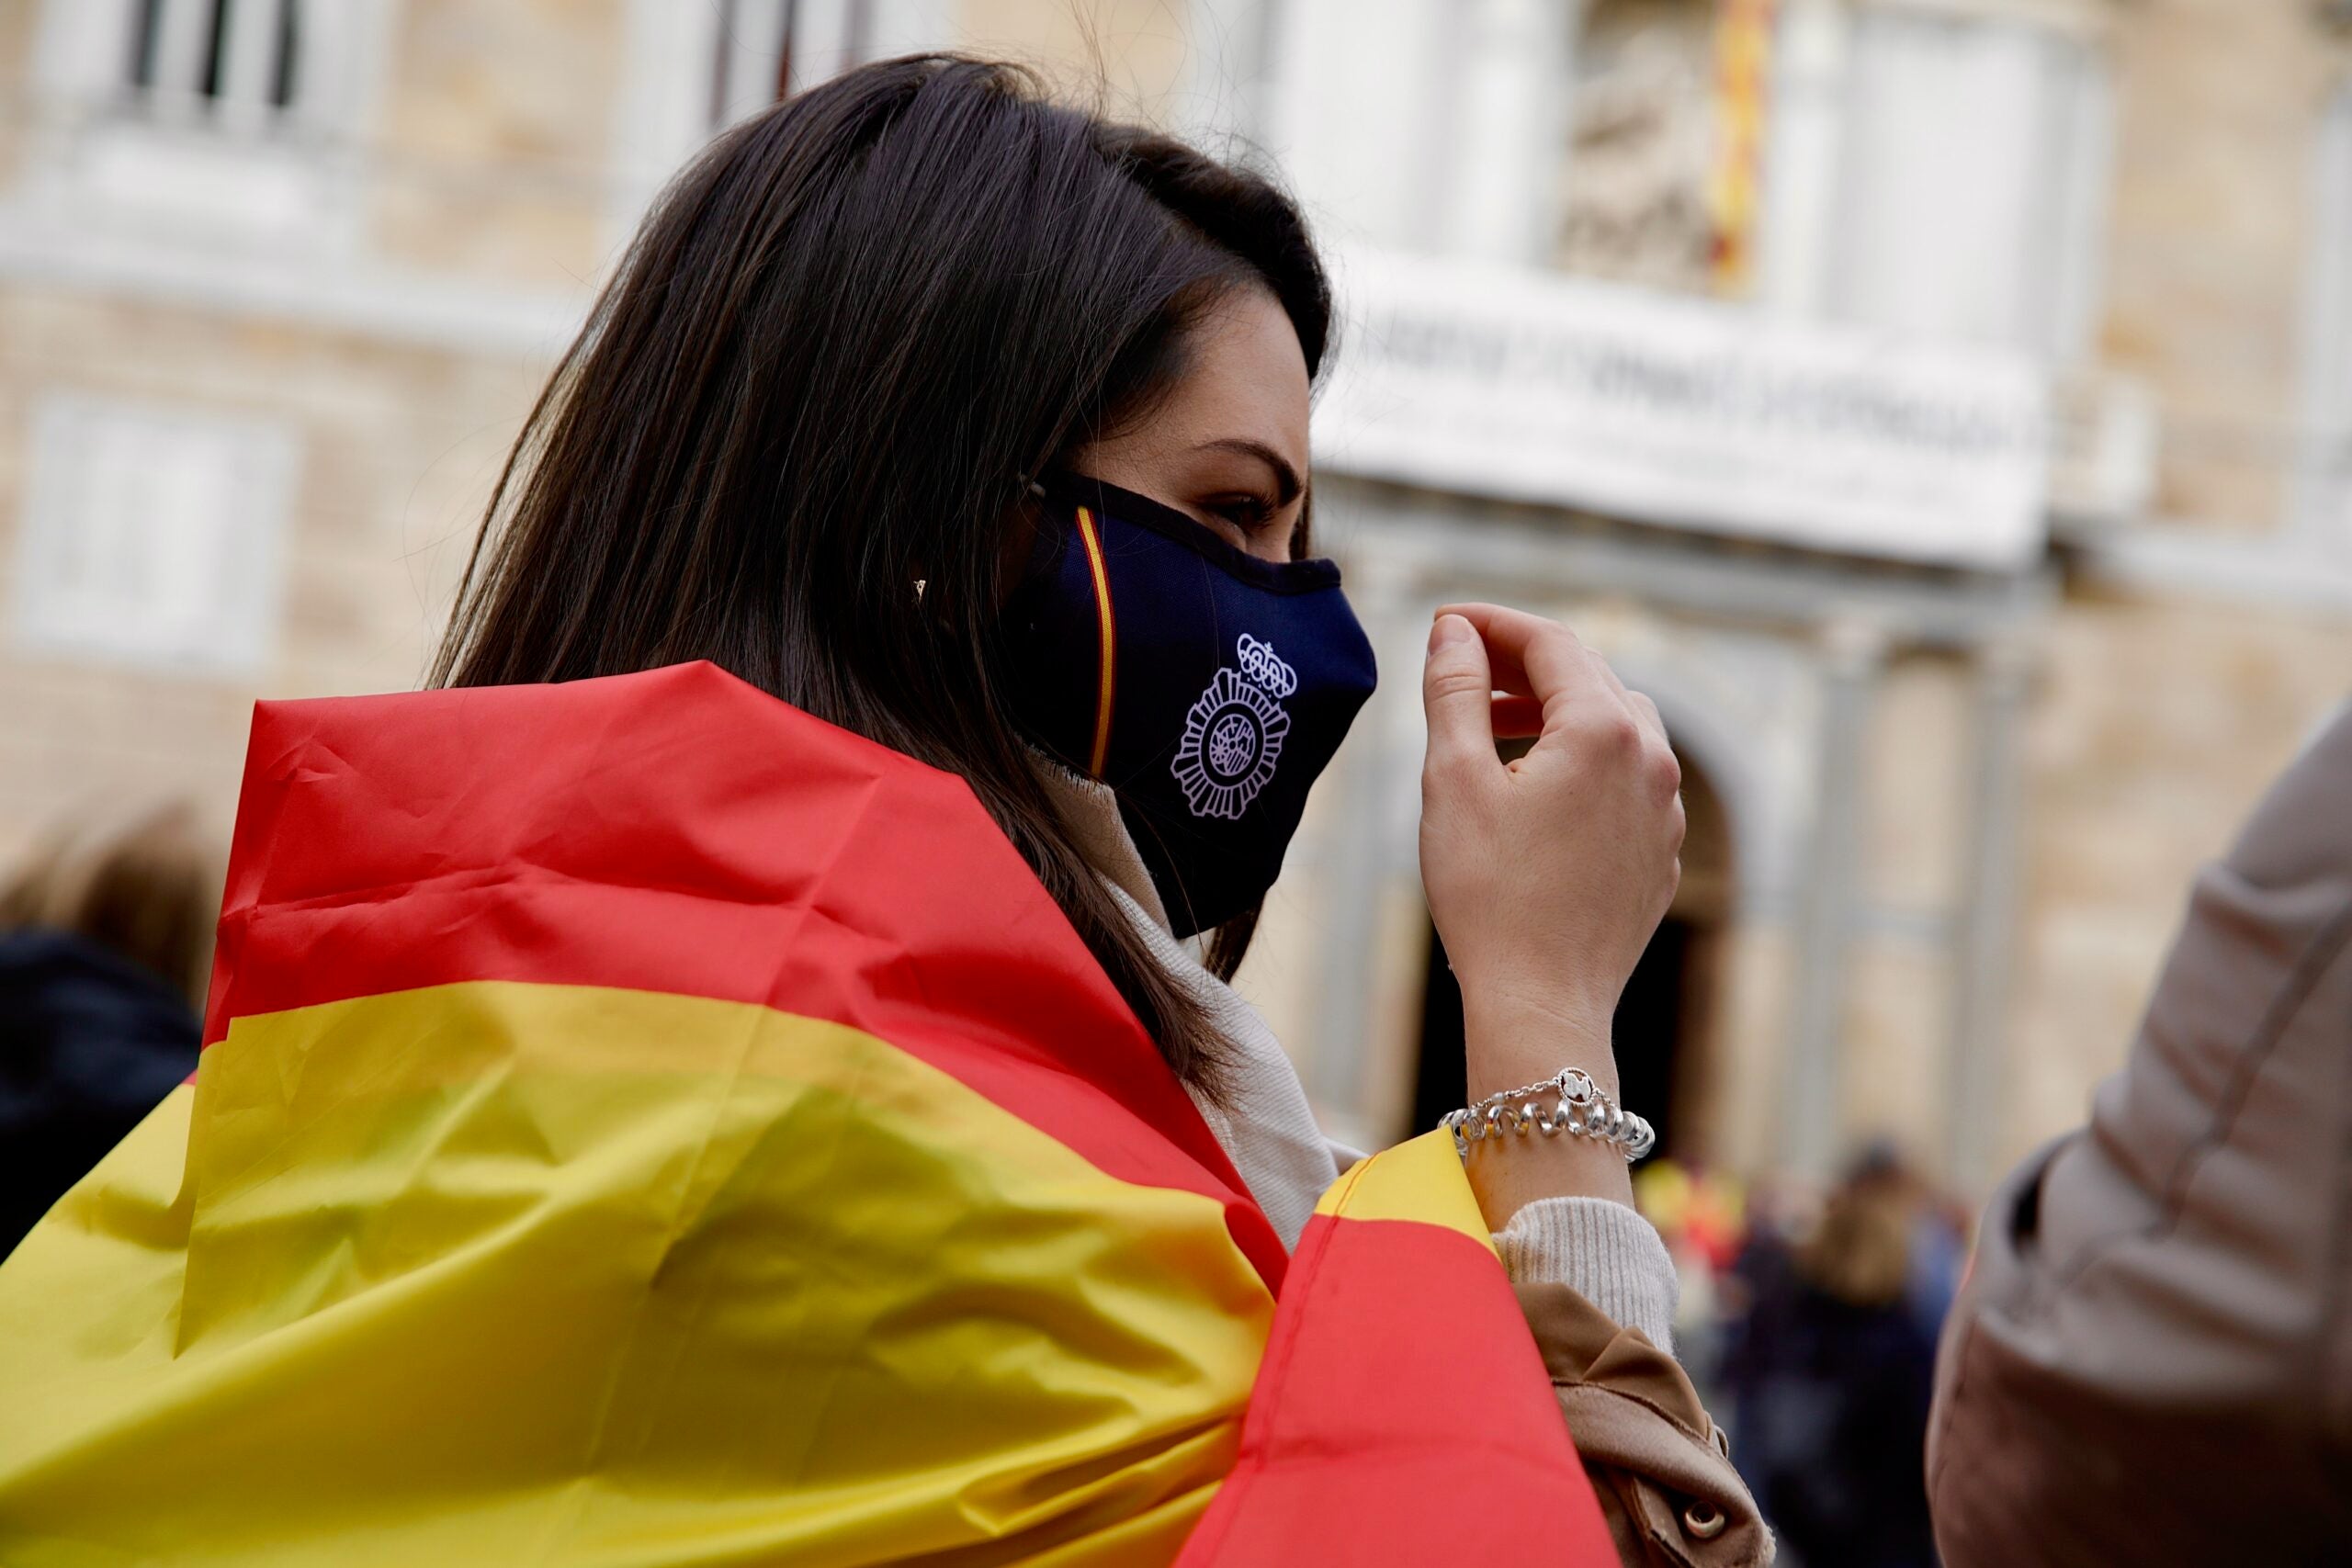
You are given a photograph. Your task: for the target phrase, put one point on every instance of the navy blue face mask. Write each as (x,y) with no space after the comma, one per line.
(1208,688)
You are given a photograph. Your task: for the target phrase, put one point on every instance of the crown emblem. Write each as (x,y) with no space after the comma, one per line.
(1259,662)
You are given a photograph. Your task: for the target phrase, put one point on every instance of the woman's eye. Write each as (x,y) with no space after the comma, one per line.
(1248,512)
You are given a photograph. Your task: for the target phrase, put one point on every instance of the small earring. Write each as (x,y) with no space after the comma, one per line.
(919,582)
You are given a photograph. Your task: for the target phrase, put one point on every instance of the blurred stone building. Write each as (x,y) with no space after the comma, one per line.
(1942,407)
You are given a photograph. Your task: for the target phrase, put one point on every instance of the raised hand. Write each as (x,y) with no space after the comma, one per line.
(1546,875)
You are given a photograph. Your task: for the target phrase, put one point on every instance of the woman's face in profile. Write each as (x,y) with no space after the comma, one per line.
(1228,447)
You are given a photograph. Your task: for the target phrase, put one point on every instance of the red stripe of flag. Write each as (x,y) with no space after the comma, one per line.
(680,830)
(1414,1422)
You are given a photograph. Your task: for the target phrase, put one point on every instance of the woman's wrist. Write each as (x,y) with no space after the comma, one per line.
(1513,1037)
(1518,1039)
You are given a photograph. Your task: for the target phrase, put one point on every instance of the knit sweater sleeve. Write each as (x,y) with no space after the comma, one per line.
(1603,1251)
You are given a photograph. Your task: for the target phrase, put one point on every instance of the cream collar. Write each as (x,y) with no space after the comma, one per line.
(1090,814)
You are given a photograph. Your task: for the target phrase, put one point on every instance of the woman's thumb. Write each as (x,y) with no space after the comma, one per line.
(1458,692)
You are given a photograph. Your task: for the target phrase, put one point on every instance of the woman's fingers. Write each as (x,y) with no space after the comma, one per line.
(1457,694)
(1510,715)
(1507,633)
(1542,663)
(1646,711)
(1532,657)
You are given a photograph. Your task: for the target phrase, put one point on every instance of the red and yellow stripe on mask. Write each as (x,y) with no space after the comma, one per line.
(645,1125)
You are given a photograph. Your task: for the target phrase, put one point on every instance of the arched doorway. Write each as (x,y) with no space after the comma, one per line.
(1666,1023)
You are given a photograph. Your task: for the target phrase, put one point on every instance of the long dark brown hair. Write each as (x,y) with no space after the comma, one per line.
(844,341)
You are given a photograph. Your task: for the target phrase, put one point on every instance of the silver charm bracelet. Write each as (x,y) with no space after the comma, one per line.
(1580,1108)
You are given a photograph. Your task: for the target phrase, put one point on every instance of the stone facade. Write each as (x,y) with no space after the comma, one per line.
(398,446)
(398,358)
(2156,723)
(488,171)
(2217,111)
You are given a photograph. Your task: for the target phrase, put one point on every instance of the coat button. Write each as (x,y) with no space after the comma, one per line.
(1704,1520)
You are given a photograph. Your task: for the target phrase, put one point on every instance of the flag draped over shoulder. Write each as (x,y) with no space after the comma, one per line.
(643,1124)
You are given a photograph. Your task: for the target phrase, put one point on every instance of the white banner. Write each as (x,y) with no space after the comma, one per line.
(1686,412)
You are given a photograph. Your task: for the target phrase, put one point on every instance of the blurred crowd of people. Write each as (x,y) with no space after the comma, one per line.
(1809,1318)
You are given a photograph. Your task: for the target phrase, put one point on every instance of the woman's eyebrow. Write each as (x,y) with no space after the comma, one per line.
(1287,484)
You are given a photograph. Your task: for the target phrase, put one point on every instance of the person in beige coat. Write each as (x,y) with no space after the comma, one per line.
(2152,1360)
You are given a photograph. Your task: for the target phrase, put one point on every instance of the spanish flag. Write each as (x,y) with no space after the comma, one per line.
(644,1124)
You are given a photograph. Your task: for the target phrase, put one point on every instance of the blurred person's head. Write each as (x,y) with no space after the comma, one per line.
(801,434)
(146,887)
(1859,1251)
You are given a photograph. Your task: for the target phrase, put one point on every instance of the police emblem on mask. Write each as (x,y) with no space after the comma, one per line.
(1233,736)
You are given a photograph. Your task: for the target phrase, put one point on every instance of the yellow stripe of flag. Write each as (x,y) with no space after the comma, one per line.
(464,1271)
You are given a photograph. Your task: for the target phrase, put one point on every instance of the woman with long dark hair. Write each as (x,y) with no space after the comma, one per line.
(725,1072)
